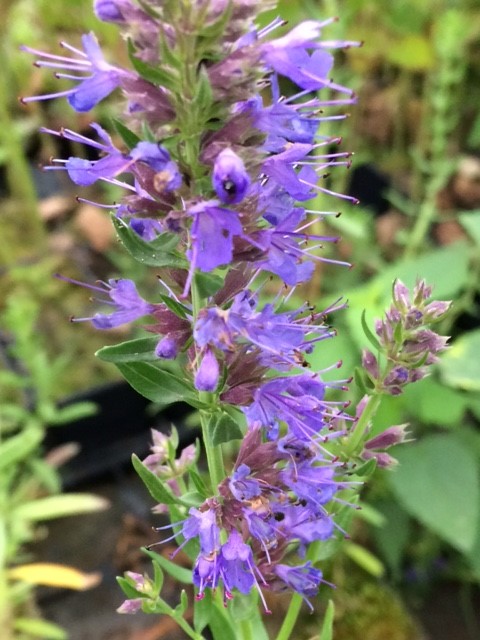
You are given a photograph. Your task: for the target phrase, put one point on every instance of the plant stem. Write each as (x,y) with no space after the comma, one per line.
(216,467)
(363,422)
(180,620)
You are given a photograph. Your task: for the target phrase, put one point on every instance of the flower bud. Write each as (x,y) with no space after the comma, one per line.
(108,10)
(384,460)
(370,364)
(206,378)
(167,348)
(131,606)
(390,437)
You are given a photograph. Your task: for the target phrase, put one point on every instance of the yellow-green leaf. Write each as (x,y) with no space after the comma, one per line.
(50,574)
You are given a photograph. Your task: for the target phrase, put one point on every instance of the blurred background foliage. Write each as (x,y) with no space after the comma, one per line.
(416,136)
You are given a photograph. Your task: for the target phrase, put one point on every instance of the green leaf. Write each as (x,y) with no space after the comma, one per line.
(220,624)
(434,403)
(366,469)
(39,628)
(393,536)
(70,504)
(127,588)
(202,611)
(158,75)
(437,482)
(18,447)
(208,284)
(460,365)
(192,499)
(223,428)
(73,412)
(179,573)
(182,606)
(199,483)
(204,94)
(157,253)
(158,386)
(139,350)
(368,332)
(364,559)
(157,488)
(326,632)
(178,309)
(158,577)
(129,137)
(470,221)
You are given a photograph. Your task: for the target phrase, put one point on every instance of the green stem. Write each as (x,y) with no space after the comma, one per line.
(363,423)
(426,215)
(180,620)
(291,618)
(216,467)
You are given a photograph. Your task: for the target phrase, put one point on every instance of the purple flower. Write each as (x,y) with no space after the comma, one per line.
(236,564)
(90,90)
(280,337)
(242,486)
(86,172)
(212,232)
(203,524)
(208,373)
(206,573)
(312,482)
(304,579)
(288,56)
(297,400)
(303,523)
(230,178)
(123,294)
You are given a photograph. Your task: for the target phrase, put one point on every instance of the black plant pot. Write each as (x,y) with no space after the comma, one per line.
(121,426)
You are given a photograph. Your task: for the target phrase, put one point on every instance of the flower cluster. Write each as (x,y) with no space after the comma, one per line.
(216,168)
(405,338)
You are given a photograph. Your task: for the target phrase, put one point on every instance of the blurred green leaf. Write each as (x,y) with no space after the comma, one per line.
(364,559)
(460,366)
(393,536)
(70,504)
(434,403)
(20,446)
(39,629)
(72,412)
(470,221)
(437,482)
(412,52)
(326,631)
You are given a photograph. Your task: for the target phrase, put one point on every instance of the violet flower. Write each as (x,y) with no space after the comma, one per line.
(103,79)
